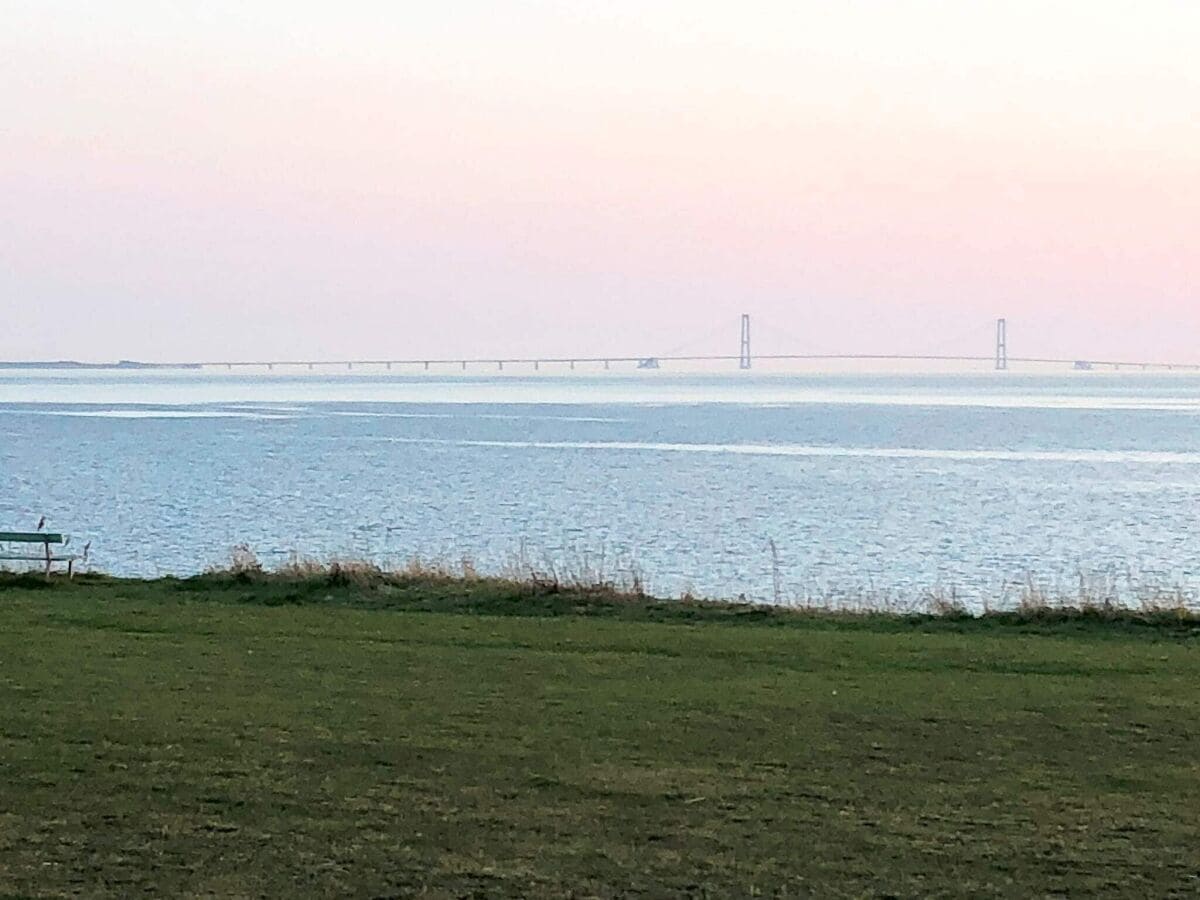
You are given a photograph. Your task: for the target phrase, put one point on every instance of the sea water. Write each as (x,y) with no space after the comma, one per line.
(773,487)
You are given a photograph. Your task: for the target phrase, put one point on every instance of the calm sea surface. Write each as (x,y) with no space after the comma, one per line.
(868,484)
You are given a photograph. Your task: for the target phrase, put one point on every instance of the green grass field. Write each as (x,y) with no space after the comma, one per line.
(246,737)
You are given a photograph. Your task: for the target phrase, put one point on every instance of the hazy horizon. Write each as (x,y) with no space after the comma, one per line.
(382,180)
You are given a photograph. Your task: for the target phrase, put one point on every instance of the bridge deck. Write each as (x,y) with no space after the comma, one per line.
(501,361)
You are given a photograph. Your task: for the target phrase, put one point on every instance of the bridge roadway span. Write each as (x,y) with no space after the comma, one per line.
(744,359)
(651,361)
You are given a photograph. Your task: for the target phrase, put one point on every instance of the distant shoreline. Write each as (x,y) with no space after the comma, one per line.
(75,365)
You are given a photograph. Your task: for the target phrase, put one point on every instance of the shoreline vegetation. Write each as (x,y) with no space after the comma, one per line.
(524,589)
(335,730)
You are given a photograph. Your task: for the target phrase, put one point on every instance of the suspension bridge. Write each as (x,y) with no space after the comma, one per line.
(744,359)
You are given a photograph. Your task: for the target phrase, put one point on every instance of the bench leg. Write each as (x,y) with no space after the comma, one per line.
(70,569)
(49,560)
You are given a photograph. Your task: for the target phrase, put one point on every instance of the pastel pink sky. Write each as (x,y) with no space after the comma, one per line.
(404,179)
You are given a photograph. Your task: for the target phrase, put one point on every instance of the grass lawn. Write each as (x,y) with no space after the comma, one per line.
(220,737)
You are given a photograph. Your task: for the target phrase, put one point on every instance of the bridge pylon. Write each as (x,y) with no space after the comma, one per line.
(1001,345)
(744,354)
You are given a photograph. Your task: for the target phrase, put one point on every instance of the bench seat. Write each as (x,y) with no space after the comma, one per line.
(40,557)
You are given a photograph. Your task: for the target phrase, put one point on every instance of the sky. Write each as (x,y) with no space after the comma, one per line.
(231,180)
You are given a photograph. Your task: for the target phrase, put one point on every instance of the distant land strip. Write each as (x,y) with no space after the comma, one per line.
(74,364)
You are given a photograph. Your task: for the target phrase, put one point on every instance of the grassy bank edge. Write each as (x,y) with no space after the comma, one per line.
(354,587)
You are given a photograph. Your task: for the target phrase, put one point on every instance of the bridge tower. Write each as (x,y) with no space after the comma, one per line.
(1001,345)
(744,355)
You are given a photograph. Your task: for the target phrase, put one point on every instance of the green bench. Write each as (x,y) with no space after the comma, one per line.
(46,539)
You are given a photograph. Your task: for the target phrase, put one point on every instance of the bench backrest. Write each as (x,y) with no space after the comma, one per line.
(30,537)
